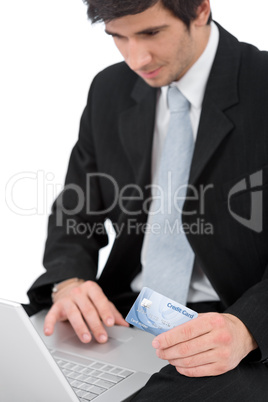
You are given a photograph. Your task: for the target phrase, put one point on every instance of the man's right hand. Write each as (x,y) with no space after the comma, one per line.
(87,308)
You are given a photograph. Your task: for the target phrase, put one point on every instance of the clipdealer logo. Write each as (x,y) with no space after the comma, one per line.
(255,222)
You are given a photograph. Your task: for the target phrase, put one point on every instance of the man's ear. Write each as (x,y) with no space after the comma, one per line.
(202,13)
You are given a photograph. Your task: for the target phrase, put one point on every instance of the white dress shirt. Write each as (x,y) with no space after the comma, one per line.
(192,85)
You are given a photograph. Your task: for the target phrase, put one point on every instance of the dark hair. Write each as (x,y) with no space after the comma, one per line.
(107,10)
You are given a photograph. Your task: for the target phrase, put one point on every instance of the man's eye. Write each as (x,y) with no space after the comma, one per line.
(152,33)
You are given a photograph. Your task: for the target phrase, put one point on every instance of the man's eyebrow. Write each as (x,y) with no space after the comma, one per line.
(144,31)
(110,33)
(151,29)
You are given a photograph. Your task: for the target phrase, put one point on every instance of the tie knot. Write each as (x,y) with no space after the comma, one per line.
(176,100)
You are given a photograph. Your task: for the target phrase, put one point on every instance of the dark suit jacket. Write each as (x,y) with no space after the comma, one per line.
(232,145)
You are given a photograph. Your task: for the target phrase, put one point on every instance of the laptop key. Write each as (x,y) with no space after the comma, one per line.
(107,368)
(82,377)
(82,400)
(97,365)
(111,377)
(97,390)
(85,387)
(89,396)
(96,373)
(86,400)
(69,366)
(76,384)
(78,369)
(116,370)
(86,378)
(91,380)
(81,393)
(73,375)
(105,384)
(87,371)
(126,373)
(70,380)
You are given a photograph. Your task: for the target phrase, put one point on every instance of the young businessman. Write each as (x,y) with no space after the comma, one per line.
(223,353)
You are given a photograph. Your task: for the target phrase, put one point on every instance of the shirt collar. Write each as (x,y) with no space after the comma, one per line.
(193,83)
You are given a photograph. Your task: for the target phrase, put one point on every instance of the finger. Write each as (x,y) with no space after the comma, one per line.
(200,359)
(55,314)
(212,369)
(201,325)
(76,320)
(193,347)
(91,316)
(100,301)
(119,320)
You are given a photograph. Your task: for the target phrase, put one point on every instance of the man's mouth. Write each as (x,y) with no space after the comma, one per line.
(150,74)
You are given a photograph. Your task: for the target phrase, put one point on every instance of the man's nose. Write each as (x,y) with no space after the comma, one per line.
(138,56)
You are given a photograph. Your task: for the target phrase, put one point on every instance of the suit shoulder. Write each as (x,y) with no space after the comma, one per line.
(254,61)
(115,77)
(116,70)
(111,89)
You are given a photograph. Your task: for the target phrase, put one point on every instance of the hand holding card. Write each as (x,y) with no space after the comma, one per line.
(155,313)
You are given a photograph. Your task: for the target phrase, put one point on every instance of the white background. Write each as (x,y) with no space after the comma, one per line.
(49,54)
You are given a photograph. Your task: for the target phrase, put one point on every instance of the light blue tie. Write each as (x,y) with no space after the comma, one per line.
(169,257)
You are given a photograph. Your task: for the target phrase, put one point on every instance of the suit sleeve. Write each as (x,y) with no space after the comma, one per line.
(251,309)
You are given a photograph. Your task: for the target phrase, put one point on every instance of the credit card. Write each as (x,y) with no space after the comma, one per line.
(155,313)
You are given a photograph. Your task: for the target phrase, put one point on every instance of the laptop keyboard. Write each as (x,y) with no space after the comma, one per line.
(88,377)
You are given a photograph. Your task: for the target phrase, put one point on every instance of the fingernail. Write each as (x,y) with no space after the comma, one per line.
(156,344)
(86,338)
(47,331)
(110,321)
(103,338)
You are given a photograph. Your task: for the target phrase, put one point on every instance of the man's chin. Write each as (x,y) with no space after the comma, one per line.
(156,82)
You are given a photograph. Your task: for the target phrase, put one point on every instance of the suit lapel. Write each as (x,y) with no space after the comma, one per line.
(221,93)
(136,133)
(213,128)
(137,128)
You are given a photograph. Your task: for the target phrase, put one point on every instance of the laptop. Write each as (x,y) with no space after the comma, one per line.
(60,368)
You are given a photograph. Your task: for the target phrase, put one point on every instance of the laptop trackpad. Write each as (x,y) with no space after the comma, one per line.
(74,342)
(117,336)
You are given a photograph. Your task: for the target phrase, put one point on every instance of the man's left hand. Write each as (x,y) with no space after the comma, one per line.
(208,345)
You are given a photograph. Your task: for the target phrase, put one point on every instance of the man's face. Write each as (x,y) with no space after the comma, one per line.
(156,44)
